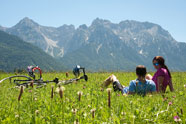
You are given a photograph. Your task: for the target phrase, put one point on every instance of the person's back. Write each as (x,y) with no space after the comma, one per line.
(142,87)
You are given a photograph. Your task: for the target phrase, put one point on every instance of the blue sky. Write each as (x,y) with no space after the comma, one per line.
(170,14)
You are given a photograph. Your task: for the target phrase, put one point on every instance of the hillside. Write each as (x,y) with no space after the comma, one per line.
(17,54)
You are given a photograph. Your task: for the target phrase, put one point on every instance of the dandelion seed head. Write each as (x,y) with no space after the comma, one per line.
(57,90)
(109,89)
(37,111)
(93,110)
(62,88)
(74,111)
(85,114)
(123,113)
(80,93)
(76,122)
(19,87)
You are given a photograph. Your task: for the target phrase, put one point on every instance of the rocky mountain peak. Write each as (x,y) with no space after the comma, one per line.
(66,27)
(26,22)
(99,21)
(83,27)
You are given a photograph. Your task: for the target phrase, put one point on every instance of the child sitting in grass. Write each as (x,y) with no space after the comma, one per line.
(140,85)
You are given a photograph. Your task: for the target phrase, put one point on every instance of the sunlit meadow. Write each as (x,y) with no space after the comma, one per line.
(86,102)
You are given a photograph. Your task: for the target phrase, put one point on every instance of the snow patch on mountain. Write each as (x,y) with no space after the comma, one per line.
(145,54)
(115,32)
(141,52)
(86,38)
(112,54)
(97,49)
(61,53)
(50,45)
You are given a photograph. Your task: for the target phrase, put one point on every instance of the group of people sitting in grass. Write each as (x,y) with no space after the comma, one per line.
(145,83)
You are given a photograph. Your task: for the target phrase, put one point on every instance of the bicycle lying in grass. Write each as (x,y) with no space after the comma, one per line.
(22,80)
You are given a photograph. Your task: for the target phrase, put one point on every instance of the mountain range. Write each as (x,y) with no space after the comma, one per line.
(104,45)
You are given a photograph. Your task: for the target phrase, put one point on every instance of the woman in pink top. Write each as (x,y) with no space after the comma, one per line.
(162,77)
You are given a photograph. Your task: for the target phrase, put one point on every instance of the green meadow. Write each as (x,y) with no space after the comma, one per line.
(86,102)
